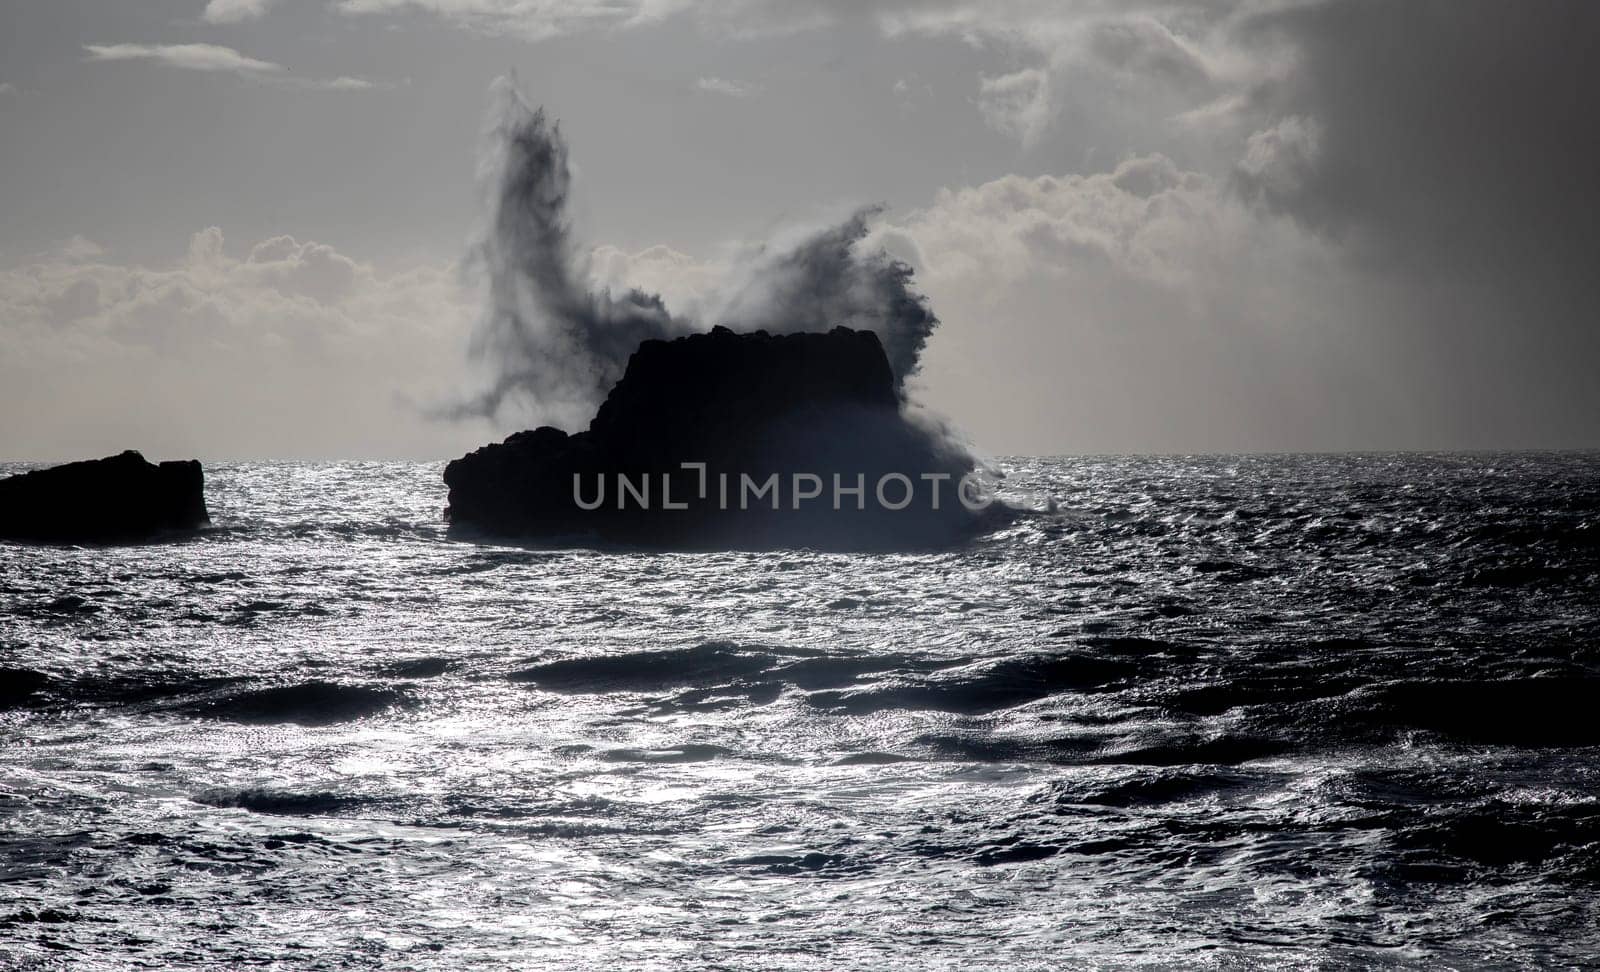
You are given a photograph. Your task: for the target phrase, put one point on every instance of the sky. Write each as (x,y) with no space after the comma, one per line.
(244,228)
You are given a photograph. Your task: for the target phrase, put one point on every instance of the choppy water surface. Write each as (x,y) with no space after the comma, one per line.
(1212,712)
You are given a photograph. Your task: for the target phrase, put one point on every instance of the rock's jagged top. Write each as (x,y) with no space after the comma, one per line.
(746,405)
(684,387)
(121,497)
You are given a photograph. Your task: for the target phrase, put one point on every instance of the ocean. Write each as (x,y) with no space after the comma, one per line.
(1204,712)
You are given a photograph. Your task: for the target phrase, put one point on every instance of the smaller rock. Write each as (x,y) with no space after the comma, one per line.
(119,498)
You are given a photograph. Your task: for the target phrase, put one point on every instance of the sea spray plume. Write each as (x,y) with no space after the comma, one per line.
(826,280)
(555,345)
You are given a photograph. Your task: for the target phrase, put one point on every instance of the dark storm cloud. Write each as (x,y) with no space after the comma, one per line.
(1455,135)
(1450,147)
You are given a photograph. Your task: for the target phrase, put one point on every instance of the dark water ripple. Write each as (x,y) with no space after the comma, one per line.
(1333,711)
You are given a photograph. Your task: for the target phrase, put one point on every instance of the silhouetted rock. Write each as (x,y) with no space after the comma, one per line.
(121,497)
(749,407)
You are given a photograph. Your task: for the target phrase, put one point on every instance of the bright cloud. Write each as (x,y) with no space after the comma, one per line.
(732,89)
(234,11)
(529,19)
(1017,104)
(215,58)
(192,57)
(292,349)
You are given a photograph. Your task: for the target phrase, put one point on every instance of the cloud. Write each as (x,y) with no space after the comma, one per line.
(212,57)
(1436,134)
(539,20)
(7,88)
(346,83)
(682,280)
(341,83)
(1144,46)
(1089,53)
(1171,309)
(292,349)
(1280,159)
(1367,225)
(1147,219)
(234,11)
(1116,62)
(78,248)
(1447,150)
(192,57)
(1017,104)
(1148,306)
(732,89)
(1177,46)
(1436,158)
(1451,137)
(535,21)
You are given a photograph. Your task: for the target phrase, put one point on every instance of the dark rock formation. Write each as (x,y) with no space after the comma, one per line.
(750,407)
(121,497)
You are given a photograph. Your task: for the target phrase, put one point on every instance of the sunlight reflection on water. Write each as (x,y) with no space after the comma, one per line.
(1202,714)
